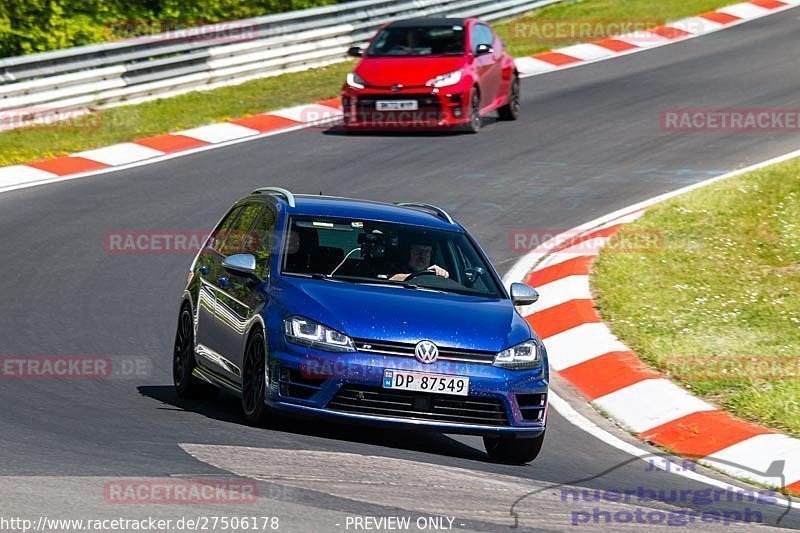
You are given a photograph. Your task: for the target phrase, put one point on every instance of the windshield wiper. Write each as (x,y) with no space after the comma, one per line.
(402,285)
(311,275)
(378,282)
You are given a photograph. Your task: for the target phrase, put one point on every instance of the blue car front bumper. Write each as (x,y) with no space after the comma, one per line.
(503,402)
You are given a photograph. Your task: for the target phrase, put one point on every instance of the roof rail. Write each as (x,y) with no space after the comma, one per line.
(279,191)
(441,213)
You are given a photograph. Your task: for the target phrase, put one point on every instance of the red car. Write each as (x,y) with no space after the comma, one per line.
(431,72)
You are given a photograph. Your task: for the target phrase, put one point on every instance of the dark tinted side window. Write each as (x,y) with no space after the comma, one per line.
(261,238)
(481,34)
(223,229)
(230,238)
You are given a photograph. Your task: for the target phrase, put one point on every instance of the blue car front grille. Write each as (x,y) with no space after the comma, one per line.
(472,410)
(407,350)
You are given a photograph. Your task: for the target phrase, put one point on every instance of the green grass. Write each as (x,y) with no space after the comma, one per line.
(528,35)
(202,107)
(716,307)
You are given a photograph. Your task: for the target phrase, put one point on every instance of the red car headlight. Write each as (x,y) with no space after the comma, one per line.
(355,81)
(445,80)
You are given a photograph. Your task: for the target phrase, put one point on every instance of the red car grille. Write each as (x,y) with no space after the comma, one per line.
(428,109)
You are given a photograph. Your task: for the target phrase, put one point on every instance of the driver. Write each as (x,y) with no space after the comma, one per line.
(419,259)
(410,42)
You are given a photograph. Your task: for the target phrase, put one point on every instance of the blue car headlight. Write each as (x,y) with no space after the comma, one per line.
(528,354)
(307,332)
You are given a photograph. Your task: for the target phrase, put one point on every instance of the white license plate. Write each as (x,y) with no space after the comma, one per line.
(418,381)
(396,105)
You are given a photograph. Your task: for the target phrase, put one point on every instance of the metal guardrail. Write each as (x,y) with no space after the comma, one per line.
(145,68)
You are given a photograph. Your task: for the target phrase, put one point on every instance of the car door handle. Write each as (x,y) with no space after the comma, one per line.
(204,270)
(223,282)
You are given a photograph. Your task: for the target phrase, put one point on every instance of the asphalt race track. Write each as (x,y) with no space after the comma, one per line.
(589,142)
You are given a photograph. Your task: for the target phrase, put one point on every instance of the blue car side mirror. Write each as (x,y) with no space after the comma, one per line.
(522,294)
(243,265)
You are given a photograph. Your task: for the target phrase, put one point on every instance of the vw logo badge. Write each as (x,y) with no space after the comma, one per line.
(426,352)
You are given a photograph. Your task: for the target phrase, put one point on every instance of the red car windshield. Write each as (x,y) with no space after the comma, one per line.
(418,41)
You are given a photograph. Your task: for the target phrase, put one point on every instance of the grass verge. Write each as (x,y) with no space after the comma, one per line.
(716,307)
(126,123)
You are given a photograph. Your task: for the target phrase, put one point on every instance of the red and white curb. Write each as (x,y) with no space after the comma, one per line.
(680,30)
(585,353)
(159,147)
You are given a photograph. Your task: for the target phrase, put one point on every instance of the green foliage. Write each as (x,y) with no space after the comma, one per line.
(28,26)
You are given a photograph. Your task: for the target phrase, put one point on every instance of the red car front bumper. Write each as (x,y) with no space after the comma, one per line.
(406,108)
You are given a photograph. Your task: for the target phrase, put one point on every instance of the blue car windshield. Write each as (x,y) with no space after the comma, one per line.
(365,251)
(403,41)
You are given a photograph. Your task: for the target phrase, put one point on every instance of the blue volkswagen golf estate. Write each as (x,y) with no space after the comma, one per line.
(386,314)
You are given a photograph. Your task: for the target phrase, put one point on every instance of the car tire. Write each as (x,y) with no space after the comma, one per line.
(254,379)
(510,111)
(473,123)
(513,451)
(183,363)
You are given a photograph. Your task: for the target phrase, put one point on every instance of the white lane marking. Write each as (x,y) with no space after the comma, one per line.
(745,10)
(695,25)
(586,51)
(581,344)
(217,133)
(627,219)
(650,403)
(757,453)
(308,113)
(120,154)
(529,66)
(557,292)
(578,420)
(642,39)
(19,174)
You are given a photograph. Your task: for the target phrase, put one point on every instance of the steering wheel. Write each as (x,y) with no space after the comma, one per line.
(418,273)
